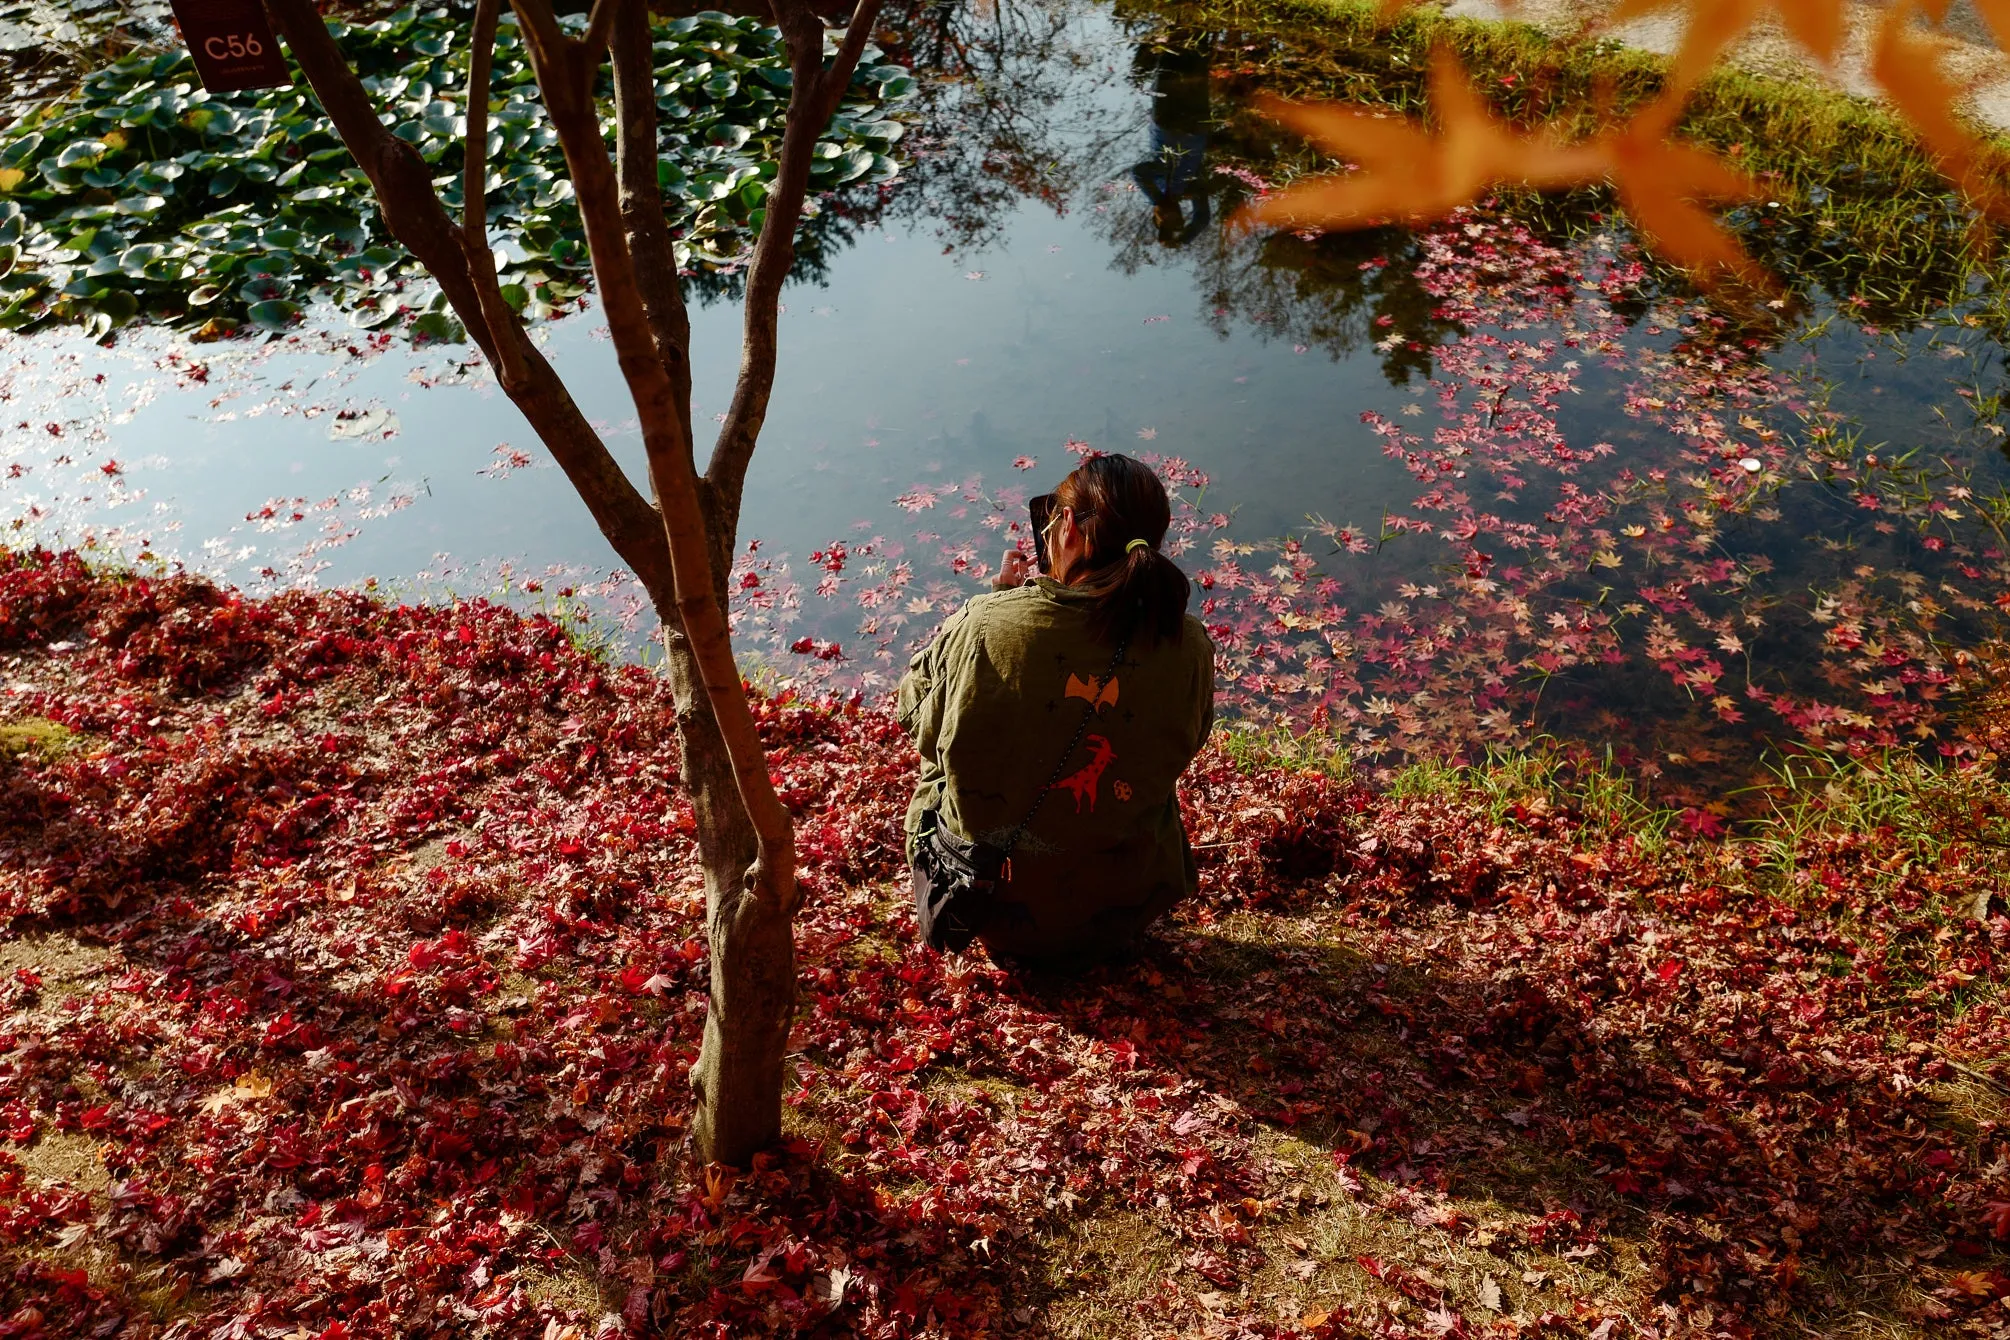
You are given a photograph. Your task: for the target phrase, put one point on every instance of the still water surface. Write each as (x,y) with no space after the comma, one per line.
(966,329)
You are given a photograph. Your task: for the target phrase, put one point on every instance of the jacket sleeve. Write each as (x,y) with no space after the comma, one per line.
(1204,689)
(926,685)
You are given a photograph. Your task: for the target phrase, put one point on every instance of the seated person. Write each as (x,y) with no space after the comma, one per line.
(1054,718)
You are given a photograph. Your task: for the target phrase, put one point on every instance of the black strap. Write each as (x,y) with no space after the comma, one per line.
(1081,729)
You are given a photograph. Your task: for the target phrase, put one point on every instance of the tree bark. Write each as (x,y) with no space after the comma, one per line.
(750,903)
(738,1078)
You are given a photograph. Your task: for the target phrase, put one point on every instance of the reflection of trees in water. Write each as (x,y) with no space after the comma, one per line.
(1017,104)
(1339,292)
(1020,103)
(1173,175)
(45,47)
(819,242)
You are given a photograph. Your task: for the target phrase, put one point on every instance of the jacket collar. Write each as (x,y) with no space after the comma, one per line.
(1054,590)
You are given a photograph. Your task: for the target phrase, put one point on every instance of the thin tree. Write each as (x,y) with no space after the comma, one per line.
(680,546)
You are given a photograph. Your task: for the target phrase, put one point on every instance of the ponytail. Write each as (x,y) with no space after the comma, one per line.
(1123,512)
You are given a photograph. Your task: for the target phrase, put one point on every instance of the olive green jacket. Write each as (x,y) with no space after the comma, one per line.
(991,703)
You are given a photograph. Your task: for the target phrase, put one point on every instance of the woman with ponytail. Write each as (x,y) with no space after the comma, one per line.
(1054,718)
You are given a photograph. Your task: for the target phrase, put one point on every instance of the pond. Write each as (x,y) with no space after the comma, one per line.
(1473,485)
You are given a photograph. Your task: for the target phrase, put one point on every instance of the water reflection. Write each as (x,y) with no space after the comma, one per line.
(1342,293)
(1173,177)
(1678,387)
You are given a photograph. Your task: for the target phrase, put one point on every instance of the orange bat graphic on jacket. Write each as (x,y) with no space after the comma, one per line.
(1093,691)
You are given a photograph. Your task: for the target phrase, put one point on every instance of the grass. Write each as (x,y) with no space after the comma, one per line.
(65,966)
(1258,748)
(1858,208)
(1513,786)
(1098,1271)
(1918,811)
(44,739)
(1323,1243)
(67,970)
(1327,1228)
(592,632)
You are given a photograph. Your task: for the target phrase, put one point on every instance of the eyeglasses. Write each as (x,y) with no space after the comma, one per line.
(1041,510)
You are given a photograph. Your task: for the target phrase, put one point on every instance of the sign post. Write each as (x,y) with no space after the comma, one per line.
(233,44)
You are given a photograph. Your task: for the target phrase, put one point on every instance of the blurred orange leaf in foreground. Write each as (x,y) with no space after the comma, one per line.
(1406,172)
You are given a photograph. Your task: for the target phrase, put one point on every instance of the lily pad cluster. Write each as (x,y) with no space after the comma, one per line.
(144,197)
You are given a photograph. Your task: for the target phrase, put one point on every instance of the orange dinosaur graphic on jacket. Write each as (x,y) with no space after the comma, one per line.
(1082,782)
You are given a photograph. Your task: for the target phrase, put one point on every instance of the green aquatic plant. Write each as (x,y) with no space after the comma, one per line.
(143,197)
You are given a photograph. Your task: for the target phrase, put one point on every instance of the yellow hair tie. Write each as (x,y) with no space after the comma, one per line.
(1137,544)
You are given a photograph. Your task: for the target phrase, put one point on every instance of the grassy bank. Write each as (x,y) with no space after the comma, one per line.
(1922,811)
(1859,209)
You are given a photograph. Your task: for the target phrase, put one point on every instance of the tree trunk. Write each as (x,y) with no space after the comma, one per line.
(738,1074)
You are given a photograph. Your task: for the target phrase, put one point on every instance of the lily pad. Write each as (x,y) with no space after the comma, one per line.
(79,152)
(274,314)
(379,313)
(438,328)
(276,212)
(263,288)
(119,305)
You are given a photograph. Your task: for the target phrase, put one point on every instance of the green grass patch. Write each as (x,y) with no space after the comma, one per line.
(1918,812)
(1258,748)
(43,739)
(1514,786)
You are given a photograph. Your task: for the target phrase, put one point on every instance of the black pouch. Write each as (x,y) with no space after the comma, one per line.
(954,881)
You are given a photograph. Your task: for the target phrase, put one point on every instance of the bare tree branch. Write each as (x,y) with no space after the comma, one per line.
(818,90)
(412,211)
(636,156)
(542,38)
(672,472)
(599,24)
(838,77)
(496,315)
(475,176)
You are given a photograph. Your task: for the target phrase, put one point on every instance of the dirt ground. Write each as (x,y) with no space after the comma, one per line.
(1970,55)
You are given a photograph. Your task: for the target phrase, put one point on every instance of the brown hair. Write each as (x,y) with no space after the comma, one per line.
(1117,500)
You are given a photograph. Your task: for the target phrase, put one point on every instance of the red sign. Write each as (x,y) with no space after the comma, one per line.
(232,43)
